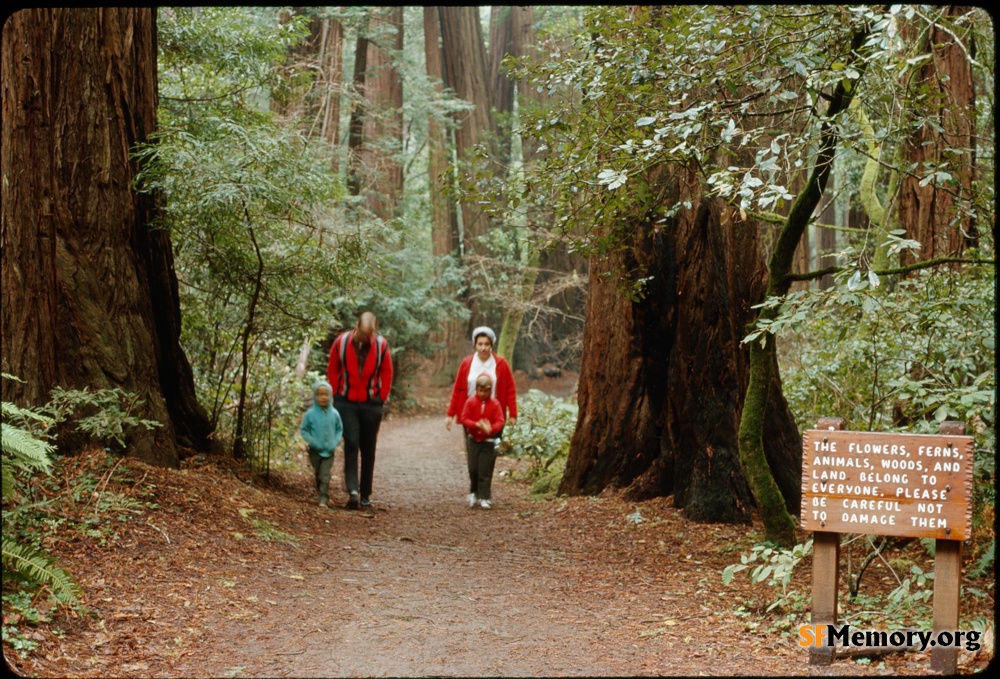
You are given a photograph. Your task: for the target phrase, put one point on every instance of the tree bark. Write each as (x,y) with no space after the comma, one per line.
(355,135)
(320,54)
(464,62)
(444,225)
(934,214)
(377,127)
(501,88)
(331,78)
(662,379)
(89,290)
(444,228)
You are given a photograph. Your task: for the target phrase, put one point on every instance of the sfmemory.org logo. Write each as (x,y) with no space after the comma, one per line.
(830,635)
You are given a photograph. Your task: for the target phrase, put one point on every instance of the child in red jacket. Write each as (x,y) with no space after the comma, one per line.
(482,417)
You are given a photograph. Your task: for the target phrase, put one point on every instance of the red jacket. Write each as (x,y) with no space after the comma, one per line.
(477,408)
(372,382)
(506,391)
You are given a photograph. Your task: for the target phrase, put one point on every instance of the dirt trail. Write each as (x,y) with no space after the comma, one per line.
(422,586)
(426,586)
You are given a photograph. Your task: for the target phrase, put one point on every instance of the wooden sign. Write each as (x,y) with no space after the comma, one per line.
(909,485)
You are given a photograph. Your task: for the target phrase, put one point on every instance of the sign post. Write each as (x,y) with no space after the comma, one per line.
(947,574)
(826,565)
(909,485)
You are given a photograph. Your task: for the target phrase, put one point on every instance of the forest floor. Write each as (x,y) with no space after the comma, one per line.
(213,577)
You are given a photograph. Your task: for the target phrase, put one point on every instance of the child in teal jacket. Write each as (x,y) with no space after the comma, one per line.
(322,429)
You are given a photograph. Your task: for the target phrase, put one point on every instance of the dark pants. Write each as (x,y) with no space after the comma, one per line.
(361,424)
(482,458)
(321,468)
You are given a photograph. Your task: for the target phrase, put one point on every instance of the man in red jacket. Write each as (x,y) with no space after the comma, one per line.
(360,371)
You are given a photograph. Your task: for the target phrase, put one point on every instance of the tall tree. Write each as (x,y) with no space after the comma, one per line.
(329,39)
(663,374)
(321,54)
(464,65)
(940,146)
(501,87)
(79,91)
(444,229)
(377,119)
(451,334)
(662,92)
(521,45)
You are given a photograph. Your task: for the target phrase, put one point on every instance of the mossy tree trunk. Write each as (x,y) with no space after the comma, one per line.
(779,526)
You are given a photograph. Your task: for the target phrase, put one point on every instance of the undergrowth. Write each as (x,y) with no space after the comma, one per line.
(542,435)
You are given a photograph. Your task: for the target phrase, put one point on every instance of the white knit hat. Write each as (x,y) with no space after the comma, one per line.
(483,330)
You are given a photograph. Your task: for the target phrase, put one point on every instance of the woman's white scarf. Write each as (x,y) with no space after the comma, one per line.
(479,367)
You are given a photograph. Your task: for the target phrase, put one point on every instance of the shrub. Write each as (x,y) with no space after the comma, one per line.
(542,434)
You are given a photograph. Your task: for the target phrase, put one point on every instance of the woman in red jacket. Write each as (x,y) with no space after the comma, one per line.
(483,361)
(360,371)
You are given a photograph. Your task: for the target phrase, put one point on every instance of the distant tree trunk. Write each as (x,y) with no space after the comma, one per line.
(355,132)
(464,61)
(444,228)
(662,379)
(89,291)
(827,240)
(376,132)
(934,214)
(321,54)
(520,43)
(332,77)
(444,225)
(501,88)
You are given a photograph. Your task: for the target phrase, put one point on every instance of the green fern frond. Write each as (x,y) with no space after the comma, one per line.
(7,478)
(24,449)
(10,410)
(39,568)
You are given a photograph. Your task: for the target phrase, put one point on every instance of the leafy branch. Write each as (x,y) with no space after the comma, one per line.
(916,266)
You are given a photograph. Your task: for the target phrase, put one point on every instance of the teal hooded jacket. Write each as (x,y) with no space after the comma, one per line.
(322,428)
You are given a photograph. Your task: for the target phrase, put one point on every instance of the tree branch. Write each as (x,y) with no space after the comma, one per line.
(916,266)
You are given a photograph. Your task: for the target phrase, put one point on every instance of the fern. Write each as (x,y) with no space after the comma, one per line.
(20,452)
(26,450)
(986,561)
(40,569)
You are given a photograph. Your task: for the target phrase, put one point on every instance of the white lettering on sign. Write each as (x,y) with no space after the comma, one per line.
(876,449)
(892,484)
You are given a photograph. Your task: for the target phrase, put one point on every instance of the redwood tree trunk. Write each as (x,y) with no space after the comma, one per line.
(451,335)
(89,291)
(501,88)
(465,71)
(934,213)
(377,119)
(662,379)
(331,61)
(383,121)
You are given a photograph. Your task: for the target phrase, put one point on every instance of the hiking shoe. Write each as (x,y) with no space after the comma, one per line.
(471,497)
(365,502)
(485,504)
(353,502)
(323,503)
